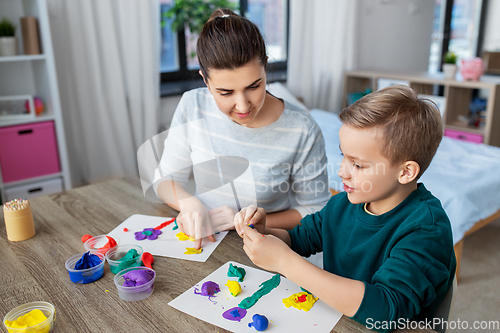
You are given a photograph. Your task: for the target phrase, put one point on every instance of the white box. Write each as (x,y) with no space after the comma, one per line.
(34,189)
(12,108)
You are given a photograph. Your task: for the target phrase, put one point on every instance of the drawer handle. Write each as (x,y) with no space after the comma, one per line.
(33,190)
(462,137)
(28,131)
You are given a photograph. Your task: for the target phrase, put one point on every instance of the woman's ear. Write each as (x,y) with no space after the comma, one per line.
(409,172)
(204,80)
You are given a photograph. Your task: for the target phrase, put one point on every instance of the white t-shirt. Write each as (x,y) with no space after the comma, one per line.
(286,159)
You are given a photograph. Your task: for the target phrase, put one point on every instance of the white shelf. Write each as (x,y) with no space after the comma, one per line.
(33,75)
(23,58)
(32,180)
(37,119)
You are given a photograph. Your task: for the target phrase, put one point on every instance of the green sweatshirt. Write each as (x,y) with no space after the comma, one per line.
(404,257)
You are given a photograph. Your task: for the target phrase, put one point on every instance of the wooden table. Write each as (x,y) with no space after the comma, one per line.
(33,270)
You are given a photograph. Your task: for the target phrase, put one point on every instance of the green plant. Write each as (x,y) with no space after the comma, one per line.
(193,13)
(7,28)
(450,58)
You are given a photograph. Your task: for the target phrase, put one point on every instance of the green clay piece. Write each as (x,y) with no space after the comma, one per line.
(265,288)
(176,226)
(147,232)
(235,271)
(306,291)
(128,260)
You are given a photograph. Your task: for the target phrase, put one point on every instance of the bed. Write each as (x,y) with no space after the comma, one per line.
(463,175)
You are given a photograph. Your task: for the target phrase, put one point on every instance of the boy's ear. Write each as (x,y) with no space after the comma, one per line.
(409,172)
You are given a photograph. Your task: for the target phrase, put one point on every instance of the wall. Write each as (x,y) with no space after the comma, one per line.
(167,108)
(491,40)
(395,34)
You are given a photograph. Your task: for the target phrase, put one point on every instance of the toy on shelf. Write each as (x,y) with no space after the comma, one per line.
(472,69)
(39,105)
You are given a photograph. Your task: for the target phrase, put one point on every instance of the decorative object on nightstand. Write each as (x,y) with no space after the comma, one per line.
(31,40)
(472,69)
(8,40)
(450,66)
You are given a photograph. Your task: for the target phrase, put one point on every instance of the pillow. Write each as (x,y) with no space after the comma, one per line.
(280,91)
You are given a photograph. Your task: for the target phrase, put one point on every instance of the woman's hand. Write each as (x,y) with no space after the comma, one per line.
(193,220)
(222,218)
(266,251)
(253,215)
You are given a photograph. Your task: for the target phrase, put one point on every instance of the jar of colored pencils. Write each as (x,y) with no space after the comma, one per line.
(18,220)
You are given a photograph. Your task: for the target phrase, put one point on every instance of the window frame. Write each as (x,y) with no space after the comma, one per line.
(185,74)
(445,43)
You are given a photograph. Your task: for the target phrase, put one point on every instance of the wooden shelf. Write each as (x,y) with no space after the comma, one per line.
(457,94)
(459,126)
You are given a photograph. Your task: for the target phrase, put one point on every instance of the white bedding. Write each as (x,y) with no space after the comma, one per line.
(464,176)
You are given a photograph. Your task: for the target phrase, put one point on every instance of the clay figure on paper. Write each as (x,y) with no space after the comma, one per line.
(234,287)
(235,314)
(235,271)
(302,301)
(265,288)
(260,323)
(209,288)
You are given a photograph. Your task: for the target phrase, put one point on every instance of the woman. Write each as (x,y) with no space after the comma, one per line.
(235,116)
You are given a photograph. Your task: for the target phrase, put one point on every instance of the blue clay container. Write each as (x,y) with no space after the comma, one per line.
(85,275)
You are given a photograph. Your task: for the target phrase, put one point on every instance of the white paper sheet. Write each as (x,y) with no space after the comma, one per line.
(321,317)
(167,244)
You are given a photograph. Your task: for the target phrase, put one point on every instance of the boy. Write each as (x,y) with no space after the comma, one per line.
(386,241)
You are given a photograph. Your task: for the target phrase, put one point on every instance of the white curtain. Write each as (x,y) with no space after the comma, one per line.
(106,55)
(321,49)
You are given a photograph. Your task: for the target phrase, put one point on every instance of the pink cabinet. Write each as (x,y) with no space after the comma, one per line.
(28,151)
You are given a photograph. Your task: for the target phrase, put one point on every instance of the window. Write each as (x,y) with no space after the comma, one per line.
(178,49)
(458,27)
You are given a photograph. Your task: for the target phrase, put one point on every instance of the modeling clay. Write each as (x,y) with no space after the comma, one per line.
(209,289)
(259,322)
(85,238)
(176,226)
(111,243)
(164,224)
(265,288)
(32,318)
(149,233)
(129,259)
(302,301)
(192,250)
(137,277)
(125,229)
(235,271)
(88,260)
(235,314)
(183,237)
(234,287)
(147,259)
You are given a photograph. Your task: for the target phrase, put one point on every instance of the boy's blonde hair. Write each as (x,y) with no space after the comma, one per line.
(411,127)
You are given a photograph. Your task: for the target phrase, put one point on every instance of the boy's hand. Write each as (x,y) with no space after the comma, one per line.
(266,251)
(253,215)
(222,218)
